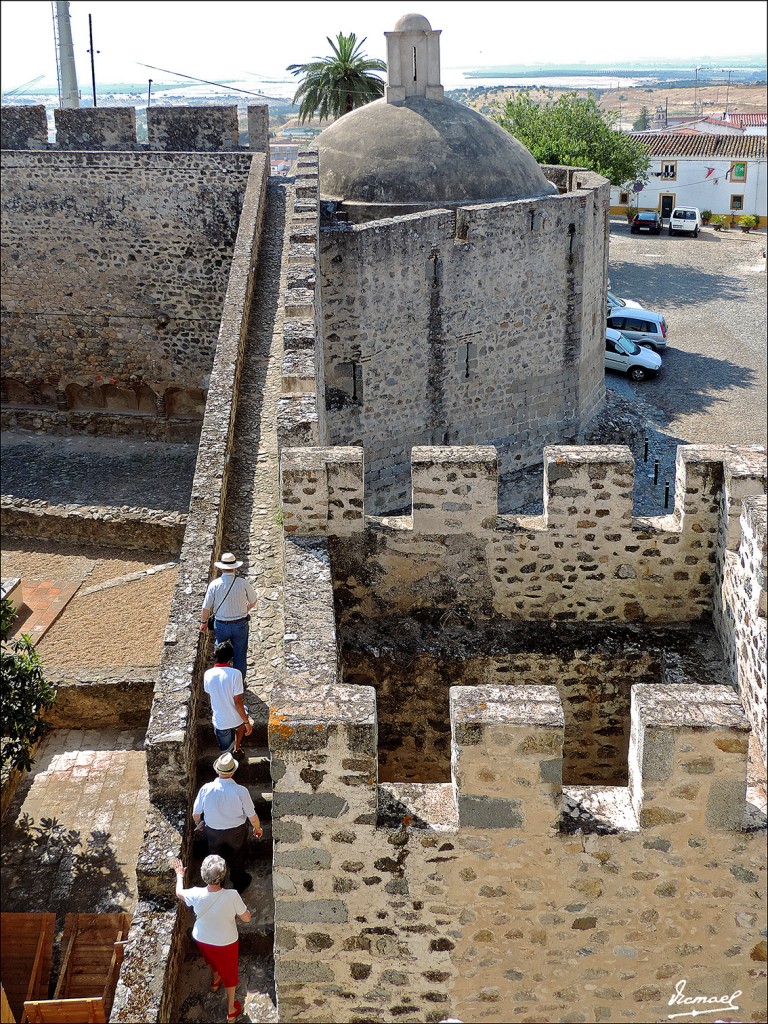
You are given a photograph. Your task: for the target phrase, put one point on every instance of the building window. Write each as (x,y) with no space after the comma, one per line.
(669,170)
(737,202)
(738,172)
(624,198)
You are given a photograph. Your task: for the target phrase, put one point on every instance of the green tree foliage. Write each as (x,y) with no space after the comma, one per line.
(643,121)
(334,85)
(577,132)
(24,694)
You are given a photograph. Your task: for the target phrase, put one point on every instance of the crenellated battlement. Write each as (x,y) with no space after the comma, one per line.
(169,129)
(586,557)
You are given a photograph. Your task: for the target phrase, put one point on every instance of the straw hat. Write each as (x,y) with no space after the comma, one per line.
(228,561)
(225,765)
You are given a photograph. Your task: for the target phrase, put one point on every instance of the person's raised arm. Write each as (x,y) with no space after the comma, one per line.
(178,867)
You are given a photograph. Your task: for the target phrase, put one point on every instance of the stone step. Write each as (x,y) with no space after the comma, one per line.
(253,770)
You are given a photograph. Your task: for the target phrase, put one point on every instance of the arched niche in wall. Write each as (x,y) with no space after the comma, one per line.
(16,392)
(185,403)
(81,398)
(117,399)
(146,400)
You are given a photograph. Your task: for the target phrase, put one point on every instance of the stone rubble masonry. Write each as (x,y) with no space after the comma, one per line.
(387,906)
(456,894)
(585,558)
(197,129)
(472,326)
(135,529)
(127,349)
(157,932)
(23,127)
(102,698)
(95,128)
(301,412)
(740,612)
(172,129)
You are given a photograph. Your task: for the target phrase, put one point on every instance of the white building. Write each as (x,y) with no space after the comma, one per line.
(722,173)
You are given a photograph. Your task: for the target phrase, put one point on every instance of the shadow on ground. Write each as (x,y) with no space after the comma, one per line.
(700,382)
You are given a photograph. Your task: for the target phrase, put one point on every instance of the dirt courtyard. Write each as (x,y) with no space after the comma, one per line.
(118,613)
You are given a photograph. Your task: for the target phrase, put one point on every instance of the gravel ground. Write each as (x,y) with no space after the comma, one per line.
(712,388)
(123,625)
(98,470)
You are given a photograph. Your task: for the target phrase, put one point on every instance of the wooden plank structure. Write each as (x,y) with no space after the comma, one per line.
(26,950)
(92,951)
(6,1016)
(66,1011)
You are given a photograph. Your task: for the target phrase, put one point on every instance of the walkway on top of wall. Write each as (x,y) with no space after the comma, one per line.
(253,530)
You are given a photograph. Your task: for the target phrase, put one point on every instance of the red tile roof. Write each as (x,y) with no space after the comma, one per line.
(726,147)
(749,120)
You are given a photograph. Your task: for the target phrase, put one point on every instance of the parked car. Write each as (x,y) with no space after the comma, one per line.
(686,220)
(614,302)
(646,221)
(644,326)
(624,355)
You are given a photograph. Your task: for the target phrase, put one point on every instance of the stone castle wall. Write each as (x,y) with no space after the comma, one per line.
(479,325)
(468,899)
(507,890)
(587,558)
(114,265)
(158,933)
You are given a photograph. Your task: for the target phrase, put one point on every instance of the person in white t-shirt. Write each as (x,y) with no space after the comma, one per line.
(229,599)
(224,685)
(215,930)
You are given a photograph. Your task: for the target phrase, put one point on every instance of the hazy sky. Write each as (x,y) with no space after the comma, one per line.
(220,39)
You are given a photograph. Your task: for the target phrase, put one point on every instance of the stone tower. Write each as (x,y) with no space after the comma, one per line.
(462,285)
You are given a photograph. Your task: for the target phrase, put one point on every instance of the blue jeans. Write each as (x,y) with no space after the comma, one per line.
(225,738)
(237,632)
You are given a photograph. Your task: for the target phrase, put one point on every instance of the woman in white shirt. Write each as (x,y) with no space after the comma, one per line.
(215,930)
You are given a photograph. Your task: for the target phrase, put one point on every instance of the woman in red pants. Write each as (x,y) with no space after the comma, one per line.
(215,931)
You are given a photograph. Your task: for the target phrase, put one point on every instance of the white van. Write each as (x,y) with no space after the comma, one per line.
(686,220)
(624,355)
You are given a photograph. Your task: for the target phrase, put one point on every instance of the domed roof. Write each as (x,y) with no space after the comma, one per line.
(412,23)
(424,152)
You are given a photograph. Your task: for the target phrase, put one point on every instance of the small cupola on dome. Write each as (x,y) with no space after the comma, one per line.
(413,60)
(415,149)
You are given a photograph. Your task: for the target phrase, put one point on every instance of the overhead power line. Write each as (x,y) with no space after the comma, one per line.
(203,81)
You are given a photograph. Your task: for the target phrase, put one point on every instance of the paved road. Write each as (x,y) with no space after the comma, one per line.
(712,291)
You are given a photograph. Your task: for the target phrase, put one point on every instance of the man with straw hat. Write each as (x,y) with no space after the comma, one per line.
(227,808)
(228,600)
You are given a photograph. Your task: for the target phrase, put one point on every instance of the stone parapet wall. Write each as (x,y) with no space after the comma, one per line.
(136,529)
(23,127)
(586,558)
(158,932)
(95,128)
(472,326)
(301,411)
(431,901)
(170,129)
(101,423)
(108,698)
(740,610)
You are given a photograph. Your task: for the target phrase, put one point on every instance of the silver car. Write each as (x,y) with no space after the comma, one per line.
(644,326)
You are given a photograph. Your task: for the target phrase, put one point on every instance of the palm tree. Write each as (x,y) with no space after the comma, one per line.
(334,85)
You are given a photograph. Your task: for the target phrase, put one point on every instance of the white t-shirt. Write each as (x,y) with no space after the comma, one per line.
(224,804)
(214,914)
(228,597)
(222,684)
